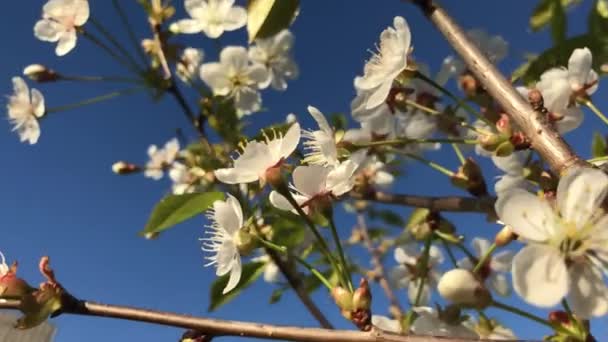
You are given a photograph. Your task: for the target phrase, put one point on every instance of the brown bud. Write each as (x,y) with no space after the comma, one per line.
(504,236)
(469,84)
(124,168)
(559,318)
(536,100)
(362,298)
(274,177)
(503,125)
(343,298)
(470,178)
(40,73)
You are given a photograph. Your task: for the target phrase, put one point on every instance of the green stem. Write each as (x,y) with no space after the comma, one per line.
(597,159)
(345,269)
(522,313)
(116,44)
(100,79)
(422,107)
(469,255)
(96,99)
(431,164)
(405,141)
(484,258)
(459,154)
(450,253)
(283,250)
(125,21)
(108,50)
(595,110)
(424,266)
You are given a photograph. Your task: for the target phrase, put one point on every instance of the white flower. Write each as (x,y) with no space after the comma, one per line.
(272,274)
(382,69)
(460,287)
(235,77)
(495,47)
(314,181)
(406,274)
(226,221)
(429,323)
(566,249)
(24,108)
(3,266)
(493,271)
(160,159)
(257,157)
(275,54)
(212,17)
(514,167)
(41,333)
(321,144)
(188,64)
(373,170)
(185,179)
(60,18)
(387,324)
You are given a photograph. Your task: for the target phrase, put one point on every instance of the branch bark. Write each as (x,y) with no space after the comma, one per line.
(544,138)
(217,327)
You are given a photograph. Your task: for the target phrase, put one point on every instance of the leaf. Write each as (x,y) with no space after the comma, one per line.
(598,146)
(558,22)
(276,295)
(387,216)
(175,209)
(541,16)
(38,306)
(597,22)
(265,18)
(251,272)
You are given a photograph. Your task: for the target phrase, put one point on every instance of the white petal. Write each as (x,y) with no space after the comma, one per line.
(247,100)
(340,179)
(500,284)
(555,89)
(67,41)
(579,66)
(259,75)
(540,276)
(38,103)
(407,254)
(235,19)
(225,257)
(528,215)
(82,12)
(20,89)
(572,119)
(320,119)
(47,30)
(588,295)
(214,74)
(501,261)
(290,141)
(280,202)
(379,95)
(188,26)
(580,194)
(235,275)
(413,289)
(480,246)
(235,176)
(386,324)
(310,180)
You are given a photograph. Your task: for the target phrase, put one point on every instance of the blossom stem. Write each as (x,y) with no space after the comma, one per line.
(284,250)
(345,269)
(424,261)
(469,255)
(431,164)
(96,99)
(100,79)
(405,141)
(324,247)
(482,261)
(448,250)
(522,313)
(459,102)
(116,44)
(125,21)
(458,152)
(108,50)
(595,110)
(598,159)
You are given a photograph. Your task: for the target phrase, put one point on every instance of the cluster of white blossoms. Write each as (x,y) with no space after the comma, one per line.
(60,22)
(25,107)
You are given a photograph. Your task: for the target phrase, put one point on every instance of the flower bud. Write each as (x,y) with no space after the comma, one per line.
(469,84)
(463,288)
(343,298)
(504,236)
(40,73)
(505,149)
(470,178)
(503,125)
(362,298)
(11,286)
(274,177)
(124,168)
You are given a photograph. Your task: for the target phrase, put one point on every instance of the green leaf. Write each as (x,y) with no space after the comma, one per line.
(598,146)
(558,22)
(541,16)
(251,272)
(597,22)
(601,7)
(38,306)
(276,295)
(387,216)
(175,209)
(265,18)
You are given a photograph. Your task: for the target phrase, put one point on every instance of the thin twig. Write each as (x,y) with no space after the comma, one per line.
(379,270)
(544,138)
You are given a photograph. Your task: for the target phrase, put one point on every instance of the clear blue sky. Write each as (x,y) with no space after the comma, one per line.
(59,197)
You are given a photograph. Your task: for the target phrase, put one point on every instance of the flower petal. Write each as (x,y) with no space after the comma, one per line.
(386,324)
(228,214)
(340,180)
(214,74)
(235,176)
(235,18)
(540,275)
(480,246)
(47,30)
(310,180)
(579,66)
(38,103)
(580,194)
(588,295)
(320,119)
(529,216)
(235,275)
(66,42)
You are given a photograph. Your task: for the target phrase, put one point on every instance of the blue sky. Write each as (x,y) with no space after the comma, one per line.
(60,198)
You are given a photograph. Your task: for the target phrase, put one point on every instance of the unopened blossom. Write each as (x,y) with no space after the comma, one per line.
(565,252)
(463,287)
(211,17)
(60,21)
(313,182)
(430,323)
(407,275)
(161,159)
(189,63)
(259,156)
(320,144)
(387,324)
(44,332)
(24,109)
(275,54)
(514,168)
(385,65)
(224,239)
(234,76)
(493,272)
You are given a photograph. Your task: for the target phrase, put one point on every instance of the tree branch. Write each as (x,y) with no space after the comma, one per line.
(544,138)
(217,327)
(447,203)
(396,309)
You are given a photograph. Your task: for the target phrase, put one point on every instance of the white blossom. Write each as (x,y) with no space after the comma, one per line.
(429,323)
(24,108)
(236,77)
(311,182)
(257,157)
(185,179)
(160,159)
(272,274)
(495,47)
(460,287)
(406,275)
(566,248)
(60,19)
(513,166)
(493,272)
(212,17)
(189,63)
(226,222)
(387,324)
(384,66)
(373,170)
(275,54)
(320,144)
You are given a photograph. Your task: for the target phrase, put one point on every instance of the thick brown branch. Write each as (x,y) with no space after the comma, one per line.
(544,138)
(216,327)
(396,309)
(447,203)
